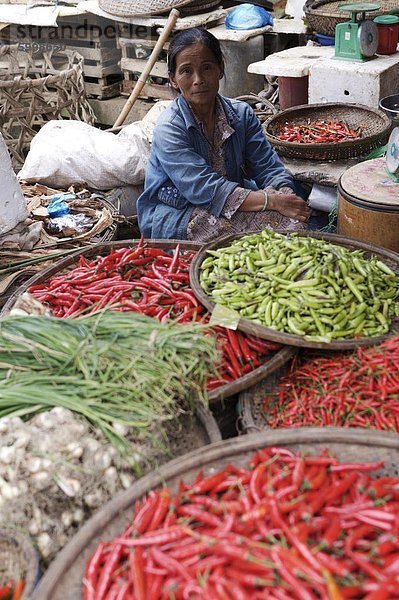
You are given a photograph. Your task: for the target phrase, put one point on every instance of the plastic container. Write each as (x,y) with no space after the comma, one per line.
(388,27)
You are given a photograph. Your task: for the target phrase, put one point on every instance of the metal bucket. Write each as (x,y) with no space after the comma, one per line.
(390,106)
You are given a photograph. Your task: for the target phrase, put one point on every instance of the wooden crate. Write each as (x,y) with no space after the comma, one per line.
(91,36)
(94,38)
(136,44)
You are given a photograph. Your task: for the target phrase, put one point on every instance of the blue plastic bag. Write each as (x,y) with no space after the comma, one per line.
(248,16)
(58,206)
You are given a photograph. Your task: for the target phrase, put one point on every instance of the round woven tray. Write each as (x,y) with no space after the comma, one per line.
(375,126)
(63,580)
(18,560)
(223,392)
(390,258)
(127,8)
(323,15)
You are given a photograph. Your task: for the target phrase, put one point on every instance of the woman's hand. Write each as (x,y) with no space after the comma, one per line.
(289,205)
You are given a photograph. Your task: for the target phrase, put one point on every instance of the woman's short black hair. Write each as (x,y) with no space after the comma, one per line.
(188,37)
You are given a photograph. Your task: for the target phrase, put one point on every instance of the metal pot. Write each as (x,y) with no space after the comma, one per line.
(390,106)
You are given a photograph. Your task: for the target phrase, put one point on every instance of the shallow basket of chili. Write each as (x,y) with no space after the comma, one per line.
(141,276)
(370,125)
(352,389)
(296,550)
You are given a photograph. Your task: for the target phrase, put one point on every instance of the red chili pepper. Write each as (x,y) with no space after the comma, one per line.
(6,590)
(138,574)
(154,538)
(110,564)
(18,589)
(170,563)
(92,572)
(208,484)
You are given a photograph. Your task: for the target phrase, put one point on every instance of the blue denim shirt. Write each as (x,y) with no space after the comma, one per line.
(179,177)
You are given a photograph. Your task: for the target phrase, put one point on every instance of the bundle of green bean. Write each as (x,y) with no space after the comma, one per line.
(303,286)
(110,368)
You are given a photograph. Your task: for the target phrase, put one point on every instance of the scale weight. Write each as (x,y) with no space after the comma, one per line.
(356,39)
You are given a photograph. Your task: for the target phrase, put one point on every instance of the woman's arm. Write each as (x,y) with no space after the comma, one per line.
(289,205)
(262,162)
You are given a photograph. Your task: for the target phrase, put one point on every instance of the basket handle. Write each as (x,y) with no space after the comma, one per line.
(170,23)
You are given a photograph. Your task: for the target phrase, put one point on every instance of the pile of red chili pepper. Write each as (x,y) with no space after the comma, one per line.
(150,281)
(319,132)
(360,389)
(286,527)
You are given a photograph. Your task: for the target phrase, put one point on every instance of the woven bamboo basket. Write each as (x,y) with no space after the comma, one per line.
(223,392)
(63,580)
(375,126)
(18,560)
(199,6)
(324,15)
(390,258)
(34,90)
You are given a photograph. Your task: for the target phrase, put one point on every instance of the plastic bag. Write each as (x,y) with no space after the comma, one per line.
(58,206)
(67,152)
(248,16)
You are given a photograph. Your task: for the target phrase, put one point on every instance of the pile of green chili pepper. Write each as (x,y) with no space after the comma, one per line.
(303,286)
(319,132)
(285,527)
(360,389)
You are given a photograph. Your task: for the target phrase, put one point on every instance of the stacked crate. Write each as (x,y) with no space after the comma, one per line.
(136,43)
(94,38)
(91,36)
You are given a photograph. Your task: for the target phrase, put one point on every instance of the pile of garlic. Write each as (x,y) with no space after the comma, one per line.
(54,473)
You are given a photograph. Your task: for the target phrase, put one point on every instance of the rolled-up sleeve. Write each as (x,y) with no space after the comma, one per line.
(196,181)
(262,161)
(234,201)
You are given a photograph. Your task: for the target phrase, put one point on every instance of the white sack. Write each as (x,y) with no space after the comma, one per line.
(13,209)
(67,152)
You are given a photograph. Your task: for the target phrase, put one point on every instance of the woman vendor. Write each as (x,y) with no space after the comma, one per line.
(211,170)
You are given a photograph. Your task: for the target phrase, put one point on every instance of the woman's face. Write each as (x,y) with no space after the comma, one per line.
(197,75)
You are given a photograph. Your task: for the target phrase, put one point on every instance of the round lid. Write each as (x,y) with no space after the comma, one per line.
(386,20)
(359,7)
(368,38)
(369,181)
(392,156)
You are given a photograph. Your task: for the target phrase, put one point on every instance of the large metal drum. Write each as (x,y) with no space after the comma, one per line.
(368,204)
